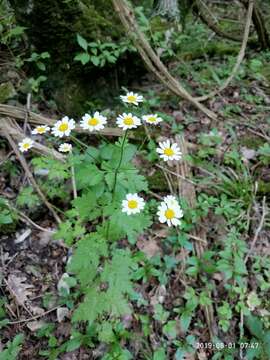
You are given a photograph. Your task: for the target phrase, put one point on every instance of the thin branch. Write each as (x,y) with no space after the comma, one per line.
(212,23)
(38,119)
(151,59)
(31,177)
(34,317)
(29,221)
(258,230)
(240,57)
(197,238)
(176,174)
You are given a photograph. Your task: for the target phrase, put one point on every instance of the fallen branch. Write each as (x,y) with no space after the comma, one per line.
(198,234)
(30,175)
(9,127)
(197,8)
(37,119)
(151,59)
(240,56)
(33,317)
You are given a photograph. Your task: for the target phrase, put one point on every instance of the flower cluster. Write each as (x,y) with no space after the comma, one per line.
(169,210)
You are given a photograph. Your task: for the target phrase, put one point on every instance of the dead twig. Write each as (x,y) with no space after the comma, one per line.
(176,174)
(240,56)
(33,317)
(38,119)
(31,177)
(151,59)
(200,246)
(11,127)
(258,230)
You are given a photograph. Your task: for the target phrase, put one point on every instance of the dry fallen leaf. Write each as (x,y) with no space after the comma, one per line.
(19,289)
(148,246)
(62,313)
(35,325)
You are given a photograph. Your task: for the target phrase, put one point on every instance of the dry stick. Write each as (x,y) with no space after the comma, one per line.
(168,181)
(12,128)
(151,59)
(188,192)
(212,24)
(15,297)
(197,238)
(31,177)
(20,113)
(28,106)
(34,317)
(176,174)
(240,56)
(258,230)
(27,220)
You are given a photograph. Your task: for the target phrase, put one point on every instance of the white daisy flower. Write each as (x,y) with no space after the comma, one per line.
(63,127)
(170,212)
(65,147)
(128,121)
(133,204)
(171,200)
(153,119)
(25,144)
(42,129)
(169,151)
(95,122)
(132,98)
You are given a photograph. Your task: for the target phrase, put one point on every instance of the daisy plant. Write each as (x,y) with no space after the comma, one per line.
(132,98)
(93,123)
(109,204)
(168,150)
(63,127)
(152,119)
(169,211)
(26,144)
(40,130)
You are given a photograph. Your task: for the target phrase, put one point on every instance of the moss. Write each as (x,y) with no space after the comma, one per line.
(52,25)
(251,142)
(7,91)
(263,187)
(157,182)
(215,49)
(266,73)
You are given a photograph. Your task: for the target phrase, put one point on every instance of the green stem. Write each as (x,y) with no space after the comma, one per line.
(119,164)
(115,178)
(82,144)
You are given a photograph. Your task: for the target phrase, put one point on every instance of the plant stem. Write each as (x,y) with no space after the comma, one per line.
(82,144)
(119,164)
(73,180)
(115,178)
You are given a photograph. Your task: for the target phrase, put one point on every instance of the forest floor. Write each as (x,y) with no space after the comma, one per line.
(230,165)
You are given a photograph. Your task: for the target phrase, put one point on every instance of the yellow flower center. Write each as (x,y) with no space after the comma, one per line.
(26,146)
(131,98)
(41,130)
(128,121)
(169,213)
(93,121)
(152,119)
(132,204)
(168,151)
(63,127)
